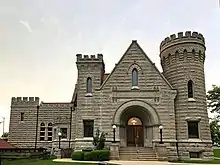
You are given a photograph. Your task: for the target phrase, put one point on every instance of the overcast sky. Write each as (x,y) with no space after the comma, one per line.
(40,38)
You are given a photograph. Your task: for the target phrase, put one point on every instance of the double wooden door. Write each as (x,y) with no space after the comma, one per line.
(135,135)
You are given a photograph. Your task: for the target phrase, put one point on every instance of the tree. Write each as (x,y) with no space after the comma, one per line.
(99,140)
(213,98)
(5,134)
(215,131)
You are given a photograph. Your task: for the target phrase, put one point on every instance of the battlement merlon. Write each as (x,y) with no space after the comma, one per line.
(189,37)
(91,58)
(25,100)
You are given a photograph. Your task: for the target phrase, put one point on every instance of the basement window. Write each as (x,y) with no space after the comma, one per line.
(194,154)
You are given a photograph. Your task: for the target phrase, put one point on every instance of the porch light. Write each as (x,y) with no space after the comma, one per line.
(161,134)
(59,134)
(114,127)
(133,122)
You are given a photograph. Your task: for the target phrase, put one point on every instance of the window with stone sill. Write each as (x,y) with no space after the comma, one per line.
(49,132)
(42,132)
(89,87)
(193,129)
(135,79)
(190,89)
(88,128)
(63,133)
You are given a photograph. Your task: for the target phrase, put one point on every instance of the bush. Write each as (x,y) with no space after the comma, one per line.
(78,155)
(87,156)
(97,155)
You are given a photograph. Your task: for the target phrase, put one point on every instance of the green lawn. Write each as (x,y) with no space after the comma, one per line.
(40,162)
(216,152)
(214,161)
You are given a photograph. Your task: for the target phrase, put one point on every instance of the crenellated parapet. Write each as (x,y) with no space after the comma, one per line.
(91,58)
(181,38)
(25,100)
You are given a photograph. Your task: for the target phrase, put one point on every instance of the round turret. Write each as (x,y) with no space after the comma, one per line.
(182,59)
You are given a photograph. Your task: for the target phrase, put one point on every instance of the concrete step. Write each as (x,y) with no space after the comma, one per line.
(130,153)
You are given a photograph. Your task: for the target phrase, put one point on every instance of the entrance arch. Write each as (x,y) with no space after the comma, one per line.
(142,111)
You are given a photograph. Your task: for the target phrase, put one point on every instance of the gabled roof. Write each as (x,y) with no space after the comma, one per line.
(5,144)
(153,64)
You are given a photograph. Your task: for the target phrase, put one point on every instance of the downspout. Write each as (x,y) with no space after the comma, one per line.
(177,147)
(71,111)
(35,147)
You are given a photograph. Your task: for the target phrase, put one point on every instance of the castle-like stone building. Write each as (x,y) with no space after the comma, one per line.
(163,111)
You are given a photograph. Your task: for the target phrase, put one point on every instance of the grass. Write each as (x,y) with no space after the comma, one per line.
(216,152)
(40,162)
(214,161)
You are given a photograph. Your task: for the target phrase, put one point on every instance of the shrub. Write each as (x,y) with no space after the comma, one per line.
(78,155)
(87,149)
(87,156)
(97,155)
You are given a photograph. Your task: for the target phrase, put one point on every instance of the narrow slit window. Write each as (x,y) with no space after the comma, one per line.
(89,85)
(190,89)
(134,77)
(22,116)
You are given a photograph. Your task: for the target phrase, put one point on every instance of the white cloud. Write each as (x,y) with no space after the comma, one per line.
(26,25)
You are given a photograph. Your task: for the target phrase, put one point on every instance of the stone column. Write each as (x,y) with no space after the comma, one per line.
(114,151)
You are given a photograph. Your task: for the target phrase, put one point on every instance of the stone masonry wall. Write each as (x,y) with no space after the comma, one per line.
(182,59)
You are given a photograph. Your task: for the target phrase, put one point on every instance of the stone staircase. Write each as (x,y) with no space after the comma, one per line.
(140,153)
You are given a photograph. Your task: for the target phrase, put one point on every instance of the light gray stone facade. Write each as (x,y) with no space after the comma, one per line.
(158,99)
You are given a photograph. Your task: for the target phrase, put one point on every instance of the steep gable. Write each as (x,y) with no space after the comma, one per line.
(135,55)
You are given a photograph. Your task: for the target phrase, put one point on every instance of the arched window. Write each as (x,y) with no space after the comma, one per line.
(134,77)
(49,132)
(89,85)
(190,89)
(42,132)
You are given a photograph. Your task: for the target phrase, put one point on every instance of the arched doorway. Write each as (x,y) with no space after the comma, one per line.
(135,132)
(148,123)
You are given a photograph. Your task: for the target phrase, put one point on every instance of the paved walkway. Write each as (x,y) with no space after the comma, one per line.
(129,162)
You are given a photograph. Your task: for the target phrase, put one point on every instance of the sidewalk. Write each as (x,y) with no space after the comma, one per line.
(127,162)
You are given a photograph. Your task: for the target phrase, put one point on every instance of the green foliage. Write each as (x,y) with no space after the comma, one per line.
(215,131)
(213,98)
(97,155)
(5,134)
(216,153)
(78,155)
(99,140)
(87,156)
(42,162)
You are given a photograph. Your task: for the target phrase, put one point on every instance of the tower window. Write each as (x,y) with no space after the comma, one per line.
(193,131)
(190,89)
(22,116)
(193,52)
(89,85)
(88,128)
(134,77)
